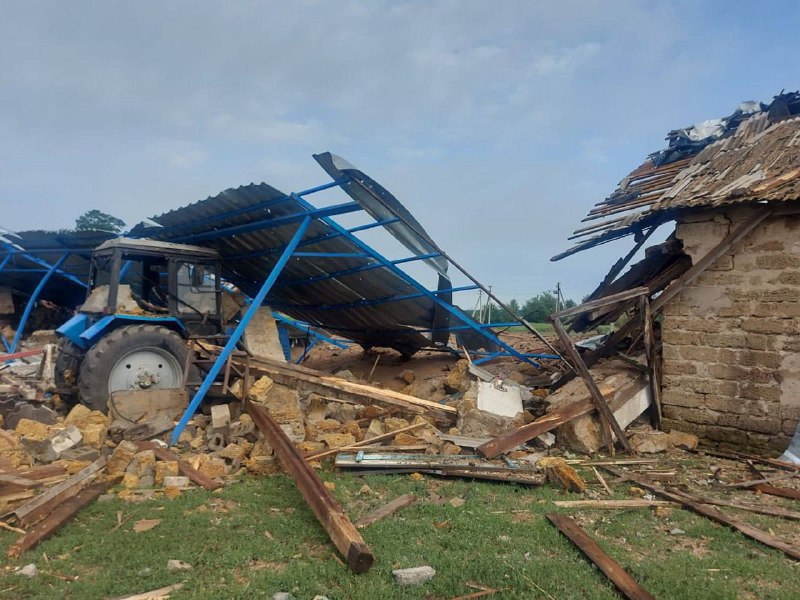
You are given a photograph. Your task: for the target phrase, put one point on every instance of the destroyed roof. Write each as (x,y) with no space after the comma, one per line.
(30,253)
(753,155)
(334,284)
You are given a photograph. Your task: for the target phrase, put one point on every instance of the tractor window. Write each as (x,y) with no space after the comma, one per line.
(196,289)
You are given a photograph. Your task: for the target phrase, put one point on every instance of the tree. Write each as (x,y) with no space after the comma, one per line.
(95,220)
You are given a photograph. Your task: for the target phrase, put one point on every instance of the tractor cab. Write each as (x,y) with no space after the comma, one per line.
(146,299)
(157,279)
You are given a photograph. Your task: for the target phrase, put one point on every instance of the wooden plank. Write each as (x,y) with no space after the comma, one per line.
(76,480)
(613,504)
(183,467)
(742,457)
(612,569)
(386,510)
(323,384)
(773,511)
(370,441)
(45,509)
(708,259)
(326,508)
(16,480)
(158,594)
(653,377)
(754,482)
(712,513)
(61,515)
(606,416)
(778,491)
(508,441)
(602,302)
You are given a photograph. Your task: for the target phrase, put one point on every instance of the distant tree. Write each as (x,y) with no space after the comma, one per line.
(95,220)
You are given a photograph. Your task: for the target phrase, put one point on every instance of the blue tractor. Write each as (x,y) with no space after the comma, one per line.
(146,300)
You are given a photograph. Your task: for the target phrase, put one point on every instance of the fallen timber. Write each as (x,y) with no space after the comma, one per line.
(612,569)
(326,508)
(697,505)
(337,388)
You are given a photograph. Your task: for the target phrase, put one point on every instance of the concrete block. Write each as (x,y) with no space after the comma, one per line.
(413,576)
(221,418)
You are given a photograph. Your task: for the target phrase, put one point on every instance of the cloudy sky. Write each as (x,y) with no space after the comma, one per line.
(498,124)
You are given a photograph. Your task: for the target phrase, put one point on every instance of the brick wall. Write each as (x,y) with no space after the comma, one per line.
(731,355)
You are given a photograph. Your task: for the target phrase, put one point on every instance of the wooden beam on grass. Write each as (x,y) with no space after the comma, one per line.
(696,505)
(612,569)
(613,504)
(607,418)
(778,491)
(56,519)
(75,481)
(386,510)
(326,508)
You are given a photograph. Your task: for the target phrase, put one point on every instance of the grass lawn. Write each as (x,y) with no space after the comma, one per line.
(257,537)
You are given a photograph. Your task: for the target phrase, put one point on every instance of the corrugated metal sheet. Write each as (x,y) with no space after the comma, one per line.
(308,288)
(756,159)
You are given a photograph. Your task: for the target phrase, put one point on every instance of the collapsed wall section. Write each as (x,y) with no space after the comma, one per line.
(731,367)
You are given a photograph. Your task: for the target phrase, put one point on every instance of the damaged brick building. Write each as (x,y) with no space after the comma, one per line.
(730,331)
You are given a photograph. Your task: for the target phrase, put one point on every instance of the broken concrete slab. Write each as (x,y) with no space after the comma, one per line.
(499,398)
(55,445)
(414,575)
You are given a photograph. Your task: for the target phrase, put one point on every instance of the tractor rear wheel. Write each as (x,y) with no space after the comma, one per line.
(67,368)
(135,357)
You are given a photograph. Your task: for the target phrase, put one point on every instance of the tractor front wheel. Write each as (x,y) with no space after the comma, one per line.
(135,357)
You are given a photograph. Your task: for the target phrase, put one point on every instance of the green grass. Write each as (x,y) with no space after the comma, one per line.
(257,537)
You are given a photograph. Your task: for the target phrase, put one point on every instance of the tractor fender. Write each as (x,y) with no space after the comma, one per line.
(80,331)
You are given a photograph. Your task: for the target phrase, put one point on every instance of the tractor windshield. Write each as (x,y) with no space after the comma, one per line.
(196,289)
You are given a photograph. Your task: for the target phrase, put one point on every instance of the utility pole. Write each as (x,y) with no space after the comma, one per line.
(558,296)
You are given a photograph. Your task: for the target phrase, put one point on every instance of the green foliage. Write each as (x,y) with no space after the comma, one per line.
(95,220)
(537,309)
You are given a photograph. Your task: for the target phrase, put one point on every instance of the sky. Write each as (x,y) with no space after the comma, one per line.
(497,124)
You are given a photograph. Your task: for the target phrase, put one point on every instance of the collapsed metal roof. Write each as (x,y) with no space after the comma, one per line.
(26,255)
(333,279)
(752,155)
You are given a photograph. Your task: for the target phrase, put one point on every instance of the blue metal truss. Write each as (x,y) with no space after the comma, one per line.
(306,214)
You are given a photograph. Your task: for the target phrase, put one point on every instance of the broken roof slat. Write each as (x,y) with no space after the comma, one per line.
(756,158)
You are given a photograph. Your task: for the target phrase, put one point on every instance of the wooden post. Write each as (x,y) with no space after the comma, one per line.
(610,568)
(327,509)
(653,376)
(606,416)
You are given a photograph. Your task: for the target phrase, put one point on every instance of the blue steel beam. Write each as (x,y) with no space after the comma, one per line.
(330,255)
(338,209)
(392,266)
(32,301)
(230,345)
(311,241)
(352,271)
(5,261)
(307,327)
(43,263)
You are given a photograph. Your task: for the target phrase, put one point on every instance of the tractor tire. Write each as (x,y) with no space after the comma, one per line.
(67,369)
(134,357)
